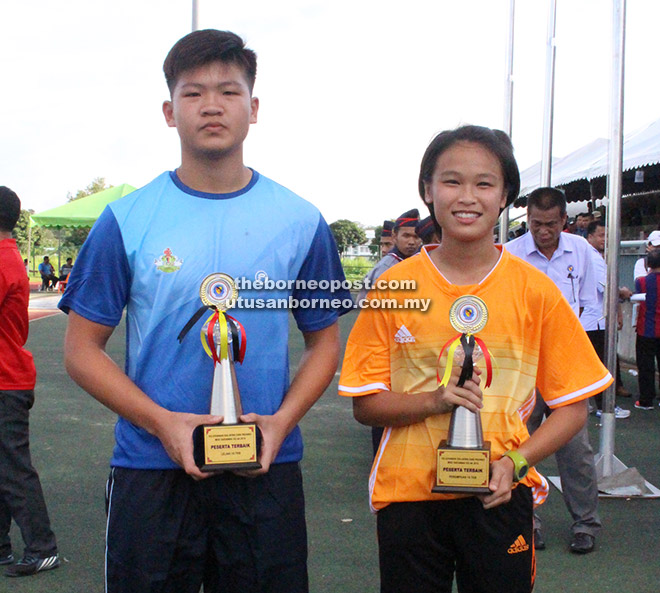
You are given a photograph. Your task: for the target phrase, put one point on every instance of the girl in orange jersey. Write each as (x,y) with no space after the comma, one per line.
(467,177)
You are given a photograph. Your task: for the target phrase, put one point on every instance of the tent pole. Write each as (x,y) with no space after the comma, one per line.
(59,249)
(607,464)
(548,107)
(614,223)
(508,109)
(29,247)
(195,15)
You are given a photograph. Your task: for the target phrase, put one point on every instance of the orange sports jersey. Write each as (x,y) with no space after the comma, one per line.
(532,336)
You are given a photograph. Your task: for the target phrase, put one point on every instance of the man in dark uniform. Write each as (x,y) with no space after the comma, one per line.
(386,241)
(406,243)
(426,231)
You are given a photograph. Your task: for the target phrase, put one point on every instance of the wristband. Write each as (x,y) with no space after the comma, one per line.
(520,465)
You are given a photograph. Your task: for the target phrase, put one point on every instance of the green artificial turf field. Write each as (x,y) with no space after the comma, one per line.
(72,440)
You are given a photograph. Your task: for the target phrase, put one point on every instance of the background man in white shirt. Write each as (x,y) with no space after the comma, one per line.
(566,259)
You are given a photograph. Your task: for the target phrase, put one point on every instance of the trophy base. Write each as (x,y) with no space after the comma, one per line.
(220,447)
(465,471)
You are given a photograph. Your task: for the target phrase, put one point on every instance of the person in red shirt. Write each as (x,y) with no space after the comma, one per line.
(21,496)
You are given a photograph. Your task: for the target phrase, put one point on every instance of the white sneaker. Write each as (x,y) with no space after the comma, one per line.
(619,413)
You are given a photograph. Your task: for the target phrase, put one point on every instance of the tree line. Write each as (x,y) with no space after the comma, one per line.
(349,234)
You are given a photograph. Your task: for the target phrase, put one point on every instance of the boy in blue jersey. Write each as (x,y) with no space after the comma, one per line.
(170,526)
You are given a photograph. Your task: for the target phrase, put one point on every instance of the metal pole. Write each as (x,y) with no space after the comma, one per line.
(195,15)
(29,251)
(546,153)
(59,248)
(608,466)
(614,227)
(508,109)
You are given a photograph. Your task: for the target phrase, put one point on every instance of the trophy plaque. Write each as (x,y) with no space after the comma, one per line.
(231,444)
(463,459)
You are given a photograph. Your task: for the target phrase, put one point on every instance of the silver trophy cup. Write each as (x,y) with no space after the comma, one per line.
(463,459)
(225,396)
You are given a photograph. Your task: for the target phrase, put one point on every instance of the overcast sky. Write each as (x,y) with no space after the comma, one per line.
(351,91)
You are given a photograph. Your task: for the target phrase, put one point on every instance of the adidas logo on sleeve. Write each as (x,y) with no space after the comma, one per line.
(403,336)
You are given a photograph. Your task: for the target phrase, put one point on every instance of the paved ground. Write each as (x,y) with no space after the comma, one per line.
(43,304)
(72,439)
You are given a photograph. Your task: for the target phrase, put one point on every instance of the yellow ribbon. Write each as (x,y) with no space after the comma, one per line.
(216,317)
(450,361)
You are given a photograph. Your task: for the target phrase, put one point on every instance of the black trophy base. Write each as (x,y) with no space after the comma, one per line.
(220,447)
(462,471)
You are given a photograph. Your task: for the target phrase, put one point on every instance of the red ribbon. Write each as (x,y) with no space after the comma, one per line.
(489,362)
(209,336)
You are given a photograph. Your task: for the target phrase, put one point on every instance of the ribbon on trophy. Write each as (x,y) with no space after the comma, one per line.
(225,323)
(467,315)
(218,293)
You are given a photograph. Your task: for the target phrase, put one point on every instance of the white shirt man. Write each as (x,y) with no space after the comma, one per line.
(569,266)
(640,265)
(567,260)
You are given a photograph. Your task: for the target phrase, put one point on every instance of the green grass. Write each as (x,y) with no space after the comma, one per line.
(72,438)
(355,269)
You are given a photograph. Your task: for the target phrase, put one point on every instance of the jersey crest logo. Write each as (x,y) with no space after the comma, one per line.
(168,262)
(520,545)
(403,336)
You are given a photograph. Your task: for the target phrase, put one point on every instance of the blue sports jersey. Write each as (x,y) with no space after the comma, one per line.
(151,250)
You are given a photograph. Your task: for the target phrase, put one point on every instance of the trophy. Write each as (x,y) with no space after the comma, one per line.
(463,459)
(231,444)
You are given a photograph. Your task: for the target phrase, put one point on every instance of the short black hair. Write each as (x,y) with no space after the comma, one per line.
(10,209)
(204,47)
(547,198)
(593,225)
(653,259)
(494,141)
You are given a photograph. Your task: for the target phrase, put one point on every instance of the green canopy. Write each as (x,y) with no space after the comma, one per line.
(82,212)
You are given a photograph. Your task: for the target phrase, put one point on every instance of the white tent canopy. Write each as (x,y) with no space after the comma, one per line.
(641,148)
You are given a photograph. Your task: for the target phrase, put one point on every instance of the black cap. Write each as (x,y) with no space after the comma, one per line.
(410,218)
(388,225)
(425,229)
